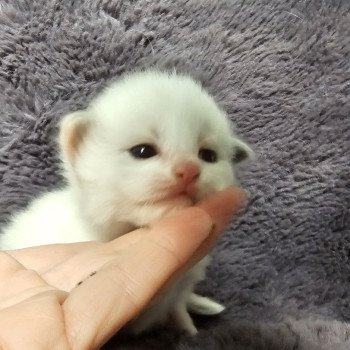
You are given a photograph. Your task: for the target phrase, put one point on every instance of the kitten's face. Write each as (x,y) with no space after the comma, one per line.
(152,143)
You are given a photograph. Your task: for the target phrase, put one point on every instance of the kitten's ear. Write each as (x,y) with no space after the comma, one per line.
(241,151)
(73,129)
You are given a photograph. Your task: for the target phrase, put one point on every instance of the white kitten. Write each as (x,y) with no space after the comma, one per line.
(149,143)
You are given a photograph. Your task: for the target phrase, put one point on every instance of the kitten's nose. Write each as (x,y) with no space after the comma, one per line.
(187,172)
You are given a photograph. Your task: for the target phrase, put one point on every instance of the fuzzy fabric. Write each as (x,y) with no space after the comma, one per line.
(281,69)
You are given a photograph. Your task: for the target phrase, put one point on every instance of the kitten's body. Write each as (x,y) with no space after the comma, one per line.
(149,144)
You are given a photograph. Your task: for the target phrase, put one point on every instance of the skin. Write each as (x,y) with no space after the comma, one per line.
(43,305)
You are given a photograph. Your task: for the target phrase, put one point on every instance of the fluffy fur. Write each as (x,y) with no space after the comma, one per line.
(114,186)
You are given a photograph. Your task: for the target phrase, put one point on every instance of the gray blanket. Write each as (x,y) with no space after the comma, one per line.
(281,69)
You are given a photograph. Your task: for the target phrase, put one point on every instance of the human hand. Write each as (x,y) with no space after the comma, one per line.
(41,306)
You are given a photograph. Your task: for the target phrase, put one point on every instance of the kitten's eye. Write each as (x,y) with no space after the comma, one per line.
(143,151)
(208,155)
(240,155)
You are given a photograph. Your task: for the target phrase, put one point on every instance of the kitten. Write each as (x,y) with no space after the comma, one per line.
(151,142)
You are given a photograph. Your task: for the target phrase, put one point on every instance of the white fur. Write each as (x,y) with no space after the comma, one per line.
(110,192)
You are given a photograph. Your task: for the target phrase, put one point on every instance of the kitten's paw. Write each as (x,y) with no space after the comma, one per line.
(183,319)
(204,306)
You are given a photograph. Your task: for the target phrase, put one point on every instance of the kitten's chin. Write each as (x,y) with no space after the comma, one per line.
(149,214)
(179,201)
(170,205)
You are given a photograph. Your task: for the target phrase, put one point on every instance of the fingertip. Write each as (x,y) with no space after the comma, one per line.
(236,195)
(194,219)
(223,204)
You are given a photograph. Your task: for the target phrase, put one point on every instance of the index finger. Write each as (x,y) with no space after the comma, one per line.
(221,207)
(122,288)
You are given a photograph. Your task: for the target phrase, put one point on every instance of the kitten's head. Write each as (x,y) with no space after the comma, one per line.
(148,143)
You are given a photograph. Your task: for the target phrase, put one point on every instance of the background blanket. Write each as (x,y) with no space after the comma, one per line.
(281,69)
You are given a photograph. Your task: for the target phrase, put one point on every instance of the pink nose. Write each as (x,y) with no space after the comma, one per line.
(187,172)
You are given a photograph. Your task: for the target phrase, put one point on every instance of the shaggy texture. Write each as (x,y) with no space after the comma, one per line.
(281,69)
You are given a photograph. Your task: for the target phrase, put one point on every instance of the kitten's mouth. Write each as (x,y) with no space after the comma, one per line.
(183,198)
(174,196)
(179,199)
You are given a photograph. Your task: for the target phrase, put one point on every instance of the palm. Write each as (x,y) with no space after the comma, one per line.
(29,309)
